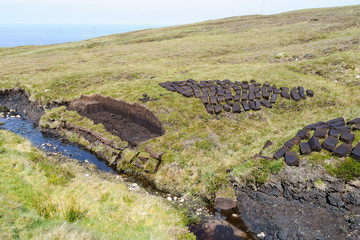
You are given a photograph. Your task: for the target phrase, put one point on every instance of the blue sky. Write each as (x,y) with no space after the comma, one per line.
(163,12)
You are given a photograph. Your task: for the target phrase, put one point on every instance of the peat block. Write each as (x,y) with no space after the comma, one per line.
(276,91)
(343,150)
(217,109)
(244,97)
(252,105)
(257,89)
(281,152)
(266,84)
(266,103)
(320,132)
(227,108)
(284,89)
(344,129)
(293,141)
(211,93)
(237,98)
(220,99)
(258,95)
(332,132)
(310,93)
(187,94)
(269,89)
(263,89)
(257,105)
(337,124)
(335,120)
(213,100)
(244,86)
(302,94)
(347,137)
(305,148)
(303,134)
(220,93)
(204,99)
(314,144)
(273,98)
(227,91)
(354,121)
(291,158)
(197,93)
(285,94)
(295,95)
(356,127)
(251,96)
(245,106)
(236,88)
(330,143)
(209,109)
(228,97)
(236,108)
(355,154)
(266,95)
(301,89)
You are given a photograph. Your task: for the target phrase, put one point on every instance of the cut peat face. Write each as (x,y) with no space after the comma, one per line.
(131,122)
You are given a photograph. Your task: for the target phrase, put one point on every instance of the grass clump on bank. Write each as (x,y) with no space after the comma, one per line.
(76,203)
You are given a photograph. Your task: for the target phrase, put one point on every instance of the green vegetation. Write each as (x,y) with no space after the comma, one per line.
(41,198)
(347,169)
(317,49)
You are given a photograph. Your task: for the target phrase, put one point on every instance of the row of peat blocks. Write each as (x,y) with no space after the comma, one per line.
(338,139)
(217,95)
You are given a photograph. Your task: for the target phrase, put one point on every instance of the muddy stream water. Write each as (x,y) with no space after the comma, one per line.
(222,224)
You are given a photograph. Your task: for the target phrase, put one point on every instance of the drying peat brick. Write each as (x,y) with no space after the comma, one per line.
(335,120)
(295,95)
(347,137)
(217,109)
(281,152)
(320,132)
(245,106)
(273,98)
(220,99)
(332,132)
(252,105)
(197,93)
(303,134)
(220,93)
(245,86)
(266,84)
(195,88)
(187,94)
(227,91)
(244,97)
(209,109)
(237,98)
(314,144)
(310,93)
(251,96)
(266,103)
(228,97)
(293,141)
(343,129)
(301,89)
(257,89)
(356,127)
(330,143)
(266,95)
(258,95)
(343,150)
(276,91)
(269,89)
(305,148)
(257,105)
(337,124)
(263,89)
(227,108)
(285,94)
(355,154)
(213,100)
(211,93)
(236,88)
(284,89)
(236,108)
(354,121)
(291,159)
(302,94)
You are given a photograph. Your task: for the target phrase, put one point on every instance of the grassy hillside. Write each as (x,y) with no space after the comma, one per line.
(317,49)
(41,199)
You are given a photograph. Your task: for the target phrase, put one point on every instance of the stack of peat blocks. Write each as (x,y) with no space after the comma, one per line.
(334,136)
(218,96)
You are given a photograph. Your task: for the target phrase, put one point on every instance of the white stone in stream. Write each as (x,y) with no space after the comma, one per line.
(169,198)
(18,116)
(261,235)
(86,161)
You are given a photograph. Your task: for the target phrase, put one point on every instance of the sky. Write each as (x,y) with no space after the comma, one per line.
(163,12)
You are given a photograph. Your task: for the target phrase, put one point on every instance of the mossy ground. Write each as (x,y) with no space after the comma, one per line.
(317,49)
(43,199)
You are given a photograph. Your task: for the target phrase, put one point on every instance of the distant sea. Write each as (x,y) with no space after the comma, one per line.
(13,35)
